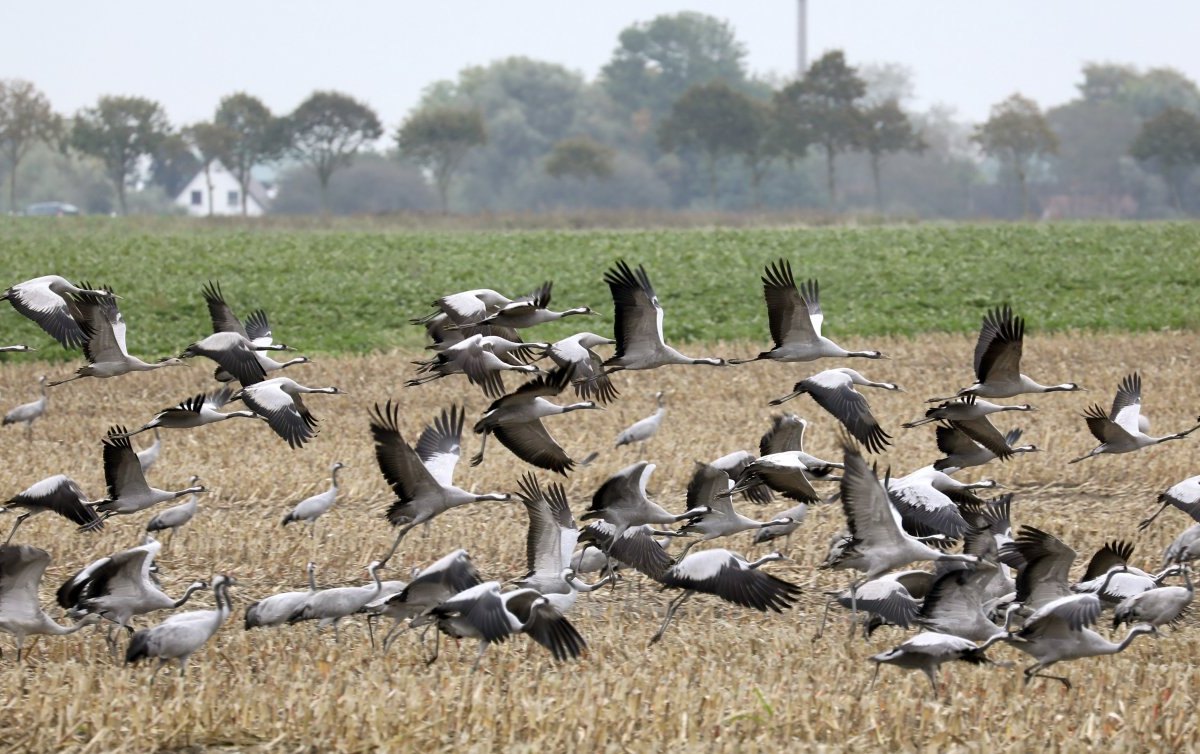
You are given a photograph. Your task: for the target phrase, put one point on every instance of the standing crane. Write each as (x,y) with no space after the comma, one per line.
(180,636)
(329,606)
(276,609)
(643,429)
(312,508)
(176,516)
(28,413)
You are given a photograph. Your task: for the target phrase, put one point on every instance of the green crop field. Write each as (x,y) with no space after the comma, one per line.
(342,291)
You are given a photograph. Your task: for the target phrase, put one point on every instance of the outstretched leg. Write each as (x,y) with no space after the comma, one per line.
(483,645)
(396,544)
(675,603)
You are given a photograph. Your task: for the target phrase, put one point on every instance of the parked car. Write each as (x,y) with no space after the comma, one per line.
(51,209)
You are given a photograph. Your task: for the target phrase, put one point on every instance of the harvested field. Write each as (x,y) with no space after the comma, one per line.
(723,678)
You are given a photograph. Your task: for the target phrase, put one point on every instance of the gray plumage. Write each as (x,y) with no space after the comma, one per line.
(28,413)
(643,429)
(312,508)
(180,636)
(276,609)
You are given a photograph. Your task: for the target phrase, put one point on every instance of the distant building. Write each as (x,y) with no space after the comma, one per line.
(226,194)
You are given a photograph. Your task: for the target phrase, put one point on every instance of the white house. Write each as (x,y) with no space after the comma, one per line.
(226,194)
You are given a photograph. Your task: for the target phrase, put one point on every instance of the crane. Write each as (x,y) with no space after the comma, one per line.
(21,614)
(1121,430)
(731,577)
(795,318)
(420,495)
(128,491)
(28,413)
(180,636)
(177,515)
(59,494)
(643,429)
(516,421)
(833,390)
(276,609)
(639,324)
(998,361)
(279,401)
(104,342)
(50,302)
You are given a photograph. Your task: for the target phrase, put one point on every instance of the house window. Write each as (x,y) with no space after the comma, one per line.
(233,199)
(197,199)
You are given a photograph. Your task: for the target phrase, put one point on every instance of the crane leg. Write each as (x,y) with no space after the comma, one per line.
(854,604)
(437,643)
(687,547)
(483,645)
(931,674)
(478,457)
(671,608)
(393,632)
(1031,672)
(875,676)
(821,628)
(396,544)
(20,647)
(1145,523)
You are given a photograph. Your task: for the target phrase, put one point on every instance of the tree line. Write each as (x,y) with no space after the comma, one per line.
(674,121)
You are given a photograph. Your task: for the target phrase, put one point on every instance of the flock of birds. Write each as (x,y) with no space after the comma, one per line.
(998,587)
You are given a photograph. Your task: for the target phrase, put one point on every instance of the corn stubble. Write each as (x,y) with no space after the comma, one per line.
(722,679)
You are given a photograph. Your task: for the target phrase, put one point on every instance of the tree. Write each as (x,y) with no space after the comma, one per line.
(173,164)
(119,131)
(212,141)
(886,129)
(658,61)
(327,130)
(581,158)
(438,139)
(1016,134)
(714,119)
(25,120)
(1169,144)
(252,136)
(822,109)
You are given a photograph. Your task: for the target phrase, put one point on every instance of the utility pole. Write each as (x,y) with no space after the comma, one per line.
(801,38)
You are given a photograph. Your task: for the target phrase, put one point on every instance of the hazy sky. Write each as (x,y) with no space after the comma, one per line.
(188,55)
